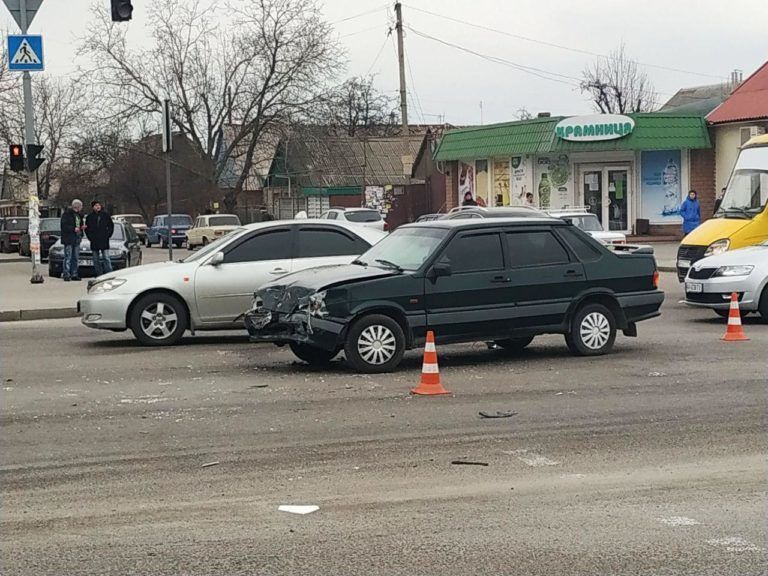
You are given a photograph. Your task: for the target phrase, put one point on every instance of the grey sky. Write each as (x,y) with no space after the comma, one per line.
(694,35)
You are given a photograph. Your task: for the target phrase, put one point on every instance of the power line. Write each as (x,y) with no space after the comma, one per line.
(378,54)
(413,87)
(377,27)
(559,46)
(372,11)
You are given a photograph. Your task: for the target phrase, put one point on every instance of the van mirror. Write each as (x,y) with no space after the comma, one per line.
(217,259)
(439,269)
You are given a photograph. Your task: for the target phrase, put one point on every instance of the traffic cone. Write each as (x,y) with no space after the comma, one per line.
(430,373)
(734,331)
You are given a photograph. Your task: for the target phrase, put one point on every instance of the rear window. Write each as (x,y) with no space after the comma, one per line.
(581,244)
(17,224)
(133,219)
(181,221)
(50,225)
(316,242)
(363,216)
(223,221)
(118,233)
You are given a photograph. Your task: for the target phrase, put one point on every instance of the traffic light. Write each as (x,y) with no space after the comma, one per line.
(122,10)
(17,157)
(33,162)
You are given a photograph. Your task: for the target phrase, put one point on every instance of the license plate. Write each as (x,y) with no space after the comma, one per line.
(683,263)
(86,262)
(694,287)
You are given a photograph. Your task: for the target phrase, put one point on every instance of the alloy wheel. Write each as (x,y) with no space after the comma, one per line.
(159,320)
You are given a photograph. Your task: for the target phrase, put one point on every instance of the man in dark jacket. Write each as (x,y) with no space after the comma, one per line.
(99,228)
(72,227)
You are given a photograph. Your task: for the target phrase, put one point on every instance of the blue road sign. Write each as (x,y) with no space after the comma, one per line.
(25,52)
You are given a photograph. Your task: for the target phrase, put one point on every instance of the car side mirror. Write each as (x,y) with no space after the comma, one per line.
(439,269)
(217,259)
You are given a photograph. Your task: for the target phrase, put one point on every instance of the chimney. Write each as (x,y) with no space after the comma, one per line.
(736,77)
(543,115)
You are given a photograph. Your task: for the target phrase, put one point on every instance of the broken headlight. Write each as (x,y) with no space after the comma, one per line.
(316,305)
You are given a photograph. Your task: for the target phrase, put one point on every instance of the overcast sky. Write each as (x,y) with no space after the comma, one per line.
(705,39)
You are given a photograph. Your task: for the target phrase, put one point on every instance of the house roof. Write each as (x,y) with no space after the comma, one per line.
(653,131)
(748,102)
(263,154)
(697,99)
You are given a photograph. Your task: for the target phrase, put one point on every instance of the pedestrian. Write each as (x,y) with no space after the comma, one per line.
(718,201)
(99,228)
(468,200)
(529,199)
(691,212)
(72,228)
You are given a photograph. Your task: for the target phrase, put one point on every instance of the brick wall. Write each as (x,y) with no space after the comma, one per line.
(703,179)
(451,185)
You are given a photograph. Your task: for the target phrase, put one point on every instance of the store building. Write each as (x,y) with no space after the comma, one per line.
(631,171)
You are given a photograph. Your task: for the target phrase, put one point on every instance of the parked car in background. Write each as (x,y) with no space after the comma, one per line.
(363,216)
(467,212)
(209,227)
(467,280)
(428,217)
(124,252)
(50,230)
(711,281)
(12,228)
(213,287)
(135,220)
(585,220)
(158,232)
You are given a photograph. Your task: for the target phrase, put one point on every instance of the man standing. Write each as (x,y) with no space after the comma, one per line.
(691,212)
(71,233)
(99,228)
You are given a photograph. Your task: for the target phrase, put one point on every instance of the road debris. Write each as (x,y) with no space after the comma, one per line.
(656,374)
(259,386)
(497,414)
(209,464)
(678,521)
(298,509)
(468,463)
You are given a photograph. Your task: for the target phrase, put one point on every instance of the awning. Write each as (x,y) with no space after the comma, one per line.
(331,191)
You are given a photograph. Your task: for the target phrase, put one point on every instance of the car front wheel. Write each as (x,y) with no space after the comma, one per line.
(593,331)
(158,320)
(312,355)
(375,344)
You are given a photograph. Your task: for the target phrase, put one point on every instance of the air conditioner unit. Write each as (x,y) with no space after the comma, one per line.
(747,132)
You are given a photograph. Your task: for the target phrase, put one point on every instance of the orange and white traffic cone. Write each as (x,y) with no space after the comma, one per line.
(734,332)
(430,373)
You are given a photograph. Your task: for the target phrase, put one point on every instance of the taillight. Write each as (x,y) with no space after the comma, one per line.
(13,236)
(44,237)
(386,227)
(655,278)
(173,231)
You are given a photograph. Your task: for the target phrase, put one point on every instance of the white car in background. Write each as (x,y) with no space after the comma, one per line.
(209,227)
(361,216)
(212,288)
(587,221)
(135,220)
(711,281)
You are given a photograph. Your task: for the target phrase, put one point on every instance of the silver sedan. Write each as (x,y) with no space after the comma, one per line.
(711,281)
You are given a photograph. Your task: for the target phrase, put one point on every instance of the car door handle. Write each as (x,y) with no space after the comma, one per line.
(279,271)
(573,273)
(500,280)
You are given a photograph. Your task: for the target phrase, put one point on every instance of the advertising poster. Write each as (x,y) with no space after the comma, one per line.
(553,180)
(520,185)
(501,182)
(466,181)
(377,198)
(481,183)
(660,186)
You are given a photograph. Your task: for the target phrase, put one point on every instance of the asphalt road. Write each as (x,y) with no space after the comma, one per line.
(649,461)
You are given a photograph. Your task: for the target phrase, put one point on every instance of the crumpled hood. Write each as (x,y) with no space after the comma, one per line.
(293,290)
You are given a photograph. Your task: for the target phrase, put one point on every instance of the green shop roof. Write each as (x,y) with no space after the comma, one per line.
(653,131)
(331,190)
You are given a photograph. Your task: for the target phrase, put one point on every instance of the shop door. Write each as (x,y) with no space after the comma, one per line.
(605,193)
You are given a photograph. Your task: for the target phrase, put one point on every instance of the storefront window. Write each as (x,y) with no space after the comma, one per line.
(501,182)
(482,183)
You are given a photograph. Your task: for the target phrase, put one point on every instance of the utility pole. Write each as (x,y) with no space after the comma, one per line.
(407,160)
(29,137)
(167,146)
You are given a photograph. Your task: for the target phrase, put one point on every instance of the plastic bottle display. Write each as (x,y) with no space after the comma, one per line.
(545,190)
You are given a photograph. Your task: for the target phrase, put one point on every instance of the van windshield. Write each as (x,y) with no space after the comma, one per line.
(746,195)
(405,249)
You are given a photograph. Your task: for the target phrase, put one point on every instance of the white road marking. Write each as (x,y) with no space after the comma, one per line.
(142,400)
(678,521)
(532,459)
(735,544)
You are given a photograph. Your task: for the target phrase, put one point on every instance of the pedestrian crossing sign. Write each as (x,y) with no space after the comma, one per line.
(25,52)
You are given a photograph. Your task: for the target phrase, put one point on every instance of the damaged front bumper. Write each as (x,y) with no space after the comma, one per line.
(279,328)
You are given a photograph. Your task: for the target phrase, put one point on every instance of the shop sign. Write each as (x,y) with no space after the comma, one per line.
(594,127)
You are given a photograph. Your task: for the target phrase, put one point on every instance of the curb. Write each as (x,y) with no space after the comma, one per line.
(18,260)
(38,314)
(667,269)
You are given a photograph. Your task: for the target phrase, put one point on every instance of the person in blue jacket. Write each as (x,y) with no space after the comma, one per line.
(691,212)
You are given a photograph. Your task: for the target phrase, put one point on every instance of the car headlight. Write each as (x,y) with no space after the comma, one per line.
(733,271)
(317,305)
(115,253)
(718,247)
(106,285)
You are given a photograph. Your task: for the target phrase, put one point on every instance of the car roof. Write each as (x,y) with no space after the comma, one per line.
(371,235)
(487,222)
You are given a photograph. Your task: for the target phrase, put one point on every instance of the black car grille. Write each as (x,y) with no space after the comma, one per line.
(690,253)
(702,274)
(710,297)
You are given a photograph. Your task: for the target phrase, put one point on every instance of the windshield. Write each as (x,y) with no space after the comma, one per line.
(17,224)
(406,248)
(746,195)
(133,219)
(362,216)
(50,225)
(588,223)
(223,221)
(214,246)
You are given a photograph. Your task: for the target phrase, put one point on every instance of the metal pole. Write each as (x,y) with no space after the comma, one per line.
(168,137)
(29,137)
(403,93)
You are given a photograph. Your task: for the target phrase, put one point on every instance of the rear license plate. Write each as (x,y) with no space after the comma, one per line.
(86,262)
(694,287)
(683,263)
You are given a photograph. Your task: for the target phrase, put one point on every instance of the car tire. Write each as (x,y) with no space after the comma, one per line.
(763,306)
(514,344)
(593,331)
(374,344)
(312,355)
(205,241)
(190,246)
(168,323)
(6,248)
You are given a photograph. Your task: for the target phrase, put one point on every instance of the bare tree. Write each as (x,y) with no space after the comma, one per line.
(523,114)
(616,85)
(356,106)
(230,89)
